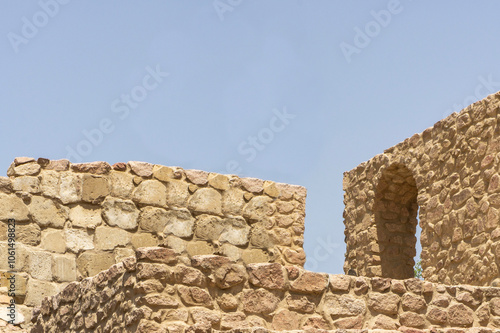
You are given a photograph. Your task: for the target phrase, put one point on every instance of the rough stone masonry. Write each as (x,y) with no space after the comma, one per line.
(138,247)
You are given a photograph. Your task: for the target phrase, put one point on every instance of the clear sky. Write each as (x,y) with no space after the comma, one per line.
(290,91)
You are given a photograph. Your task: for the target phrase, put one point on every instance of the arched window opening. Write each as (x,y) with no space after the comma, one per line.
(396,211)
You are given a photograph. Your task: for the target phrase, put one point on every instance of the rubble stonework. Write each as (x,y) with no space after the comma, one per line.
(76,220)
(449,174)
(154,292)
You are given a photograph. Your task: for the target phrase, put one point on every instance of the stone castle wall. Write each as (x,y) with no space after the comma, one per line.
(76,220)
(154,292)
(449,176)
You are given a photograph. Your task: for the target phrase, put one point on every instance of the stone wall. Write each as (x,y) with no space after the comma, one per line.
(449,176)
(154,292)
(76,220)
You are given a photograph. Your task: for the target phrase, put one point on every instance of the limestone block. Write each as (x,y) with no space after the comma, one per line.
(40,266)
(107,238)
(12,208)
(175,243)
(37,290)
(28,184)
(143,240)
(343,305)
(53,240)
(310,282)
(46,212)
(205,317)
(78,240)
(384,303)
(228,302)
(195,296)
(120,213)
(251,256)
(5,185)
(189,276)
(22,257)
(163,173)
(179,223)
(94,188)
(70,187)
(28,234)
(233,201)
(206,200)
(267,275)
(90,263)
(258,208)
(261,238)
(219,182)
(286,320)
(253,185)
(259,301)
(142,169)
(121,184)
(122,253)
(28,169)
(20,284)
(64,267)
(340,282)
(157,254)
(198,248)
(229,276)
(49,183)
(236,231)
(177,193)
(197,177)
(232,252)
(151,192)
(85,216)
(153,219)
(209,227)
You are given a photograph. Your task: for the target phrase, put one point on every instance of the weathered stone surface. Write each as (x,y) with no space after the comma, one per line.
(261,238)
(385,322)
(12,208)
(57,165)
(209,227)
(29,234)
(70,187)
(142,169)
(229,276)
(233,201)
(195,296)
(309,282)
(411,319)
(269,276)
(300,303)
(205,316)
(22,160)
(339,282)
(206,200)
(53,240)
(384,303)
(460,315)
(120,213)
(151,192)
(343,305)
(160,300)
(47,213)
(5,185)
(37,290)
(90,263)
(78,240)
(259,301)
(285,320)
(219,182)
(258,208)
(40,266)
(197,177)
(153,271)
(28,169)
(252,184)
(85,216)
(94,188)
(121,184)
(153,219)
(199,248)
(26,184)
(157,254)
(189,276)
(64,268)
(236,231)
(437,315)
(179,223)
(98,168)
(296,257)
(228,302)
(122,253)
(107,238)
(177,193)
(254,256)
(413,303)
(349,323)
(143,240)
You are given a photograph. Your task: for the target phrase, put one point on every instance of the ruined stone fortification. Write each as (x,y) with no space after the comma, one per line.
(138,247)
(451,173)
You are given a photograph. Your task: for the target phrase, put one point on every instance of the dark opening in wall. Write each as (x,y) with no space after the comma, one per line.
(396,209)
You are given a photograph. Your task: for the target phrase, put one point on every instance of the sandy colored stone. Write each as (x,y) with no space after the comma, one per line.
(28,184)
(64,267)
(339,282)
(384,303)
(90,263)
(460,315)
(46,212)
(236,231)
(286,320)
(107,238)
(94,188)
(209,227)
(195,296)
(5,185)
(197,177)
(36,290)
(300,303)
(142,169)
(179,223)
(27,169)
(98,168)
(143,240)
(163,173)
(22,160)
(12,207)
(177,193)
(219,182)
(254,256)
(120,213)
(228,302)
(206,200)
(229,276)
(343,305)
(85,216)
(78,240)
(259,301)
(53,240)
(153,219)
(29,234)
(151,192)
(269,276)
(233,201)
(194,248)
(121,184)
(258,208)
(70,187)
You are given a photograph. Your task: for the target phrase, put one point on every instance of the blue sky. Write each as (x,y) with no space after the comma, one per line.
(290,91)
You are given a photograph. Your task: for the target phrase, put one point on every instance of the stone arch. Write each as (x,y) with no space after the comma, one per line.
(395,211)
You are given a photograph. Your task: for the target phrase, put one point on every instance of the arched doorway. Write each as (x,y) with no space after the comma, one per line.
(395,211)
